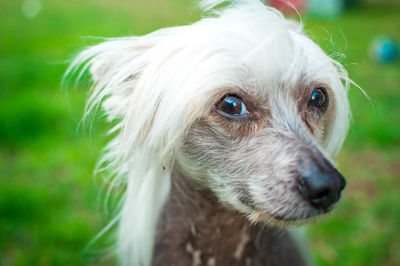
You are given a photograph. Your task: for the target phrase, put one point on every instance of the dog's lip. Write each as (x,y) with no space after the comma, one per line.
(290,219)
(282,218)
(311,214)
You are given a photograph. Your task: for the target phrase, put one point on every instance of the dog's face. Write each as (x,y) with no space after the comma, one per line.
(270,127)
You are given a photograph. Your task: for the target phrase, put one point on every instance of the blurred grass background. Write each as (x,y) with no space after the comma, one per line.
(51,206)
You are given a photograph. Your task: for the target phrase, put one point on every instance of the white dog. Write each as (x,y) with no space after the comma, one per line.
(221,127)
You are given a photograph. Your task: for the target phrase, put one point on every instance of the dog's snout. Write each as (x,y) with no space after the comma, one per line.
(320,184)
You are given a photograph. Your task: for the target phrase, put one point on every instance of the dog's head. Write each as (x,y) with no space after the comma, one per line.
(272,113)
(244,102)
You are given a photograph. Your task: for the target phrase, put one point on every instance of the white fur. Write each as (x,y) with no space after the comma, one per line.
(154,87)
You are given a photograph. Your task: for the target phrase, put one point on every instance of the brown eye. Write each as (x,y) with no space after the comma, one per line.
(319,98)
(231,105)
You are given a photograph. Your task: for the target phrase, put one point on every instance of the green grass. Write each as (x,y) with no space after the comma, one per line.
(51,206)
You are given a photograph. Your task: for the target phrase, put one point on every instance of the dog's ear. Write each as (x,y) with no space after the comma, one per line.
(115,66)
(113,54)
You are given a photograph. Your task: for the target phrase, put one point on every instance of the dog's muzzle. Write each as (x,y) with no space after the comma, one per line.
(319,182)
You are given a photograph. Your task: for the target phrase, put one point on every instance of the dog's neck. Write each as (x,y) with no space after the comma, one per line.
(195,229)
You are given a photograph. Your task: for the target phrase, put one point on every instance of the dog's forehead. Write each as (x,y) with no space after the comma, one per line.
(273,51)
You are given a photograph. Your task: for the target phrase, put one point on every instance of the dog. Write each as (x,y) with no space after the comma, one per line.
(225,133)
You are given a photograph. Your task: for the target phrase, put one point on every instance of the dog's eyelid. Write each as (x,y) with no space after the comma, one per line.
(230,94)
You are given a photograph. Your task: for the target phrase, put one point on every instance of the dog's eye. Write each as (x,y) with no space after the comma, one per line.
(232,105)
(319,98)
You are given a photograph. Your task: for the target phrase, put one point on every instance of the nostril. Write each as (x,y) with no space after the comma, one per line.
(319,194)
(323,193)
(321,199)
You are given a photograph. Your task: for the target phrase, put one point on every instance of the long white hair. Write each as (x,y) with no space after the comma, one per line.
(146,86)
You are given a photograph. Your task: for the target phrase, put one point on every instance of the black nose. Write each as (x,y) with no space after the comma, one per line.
(320,183)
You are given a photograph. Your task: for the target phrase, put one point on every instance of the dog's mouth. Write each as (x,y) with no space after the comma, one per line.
(282,219)
(307,216)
